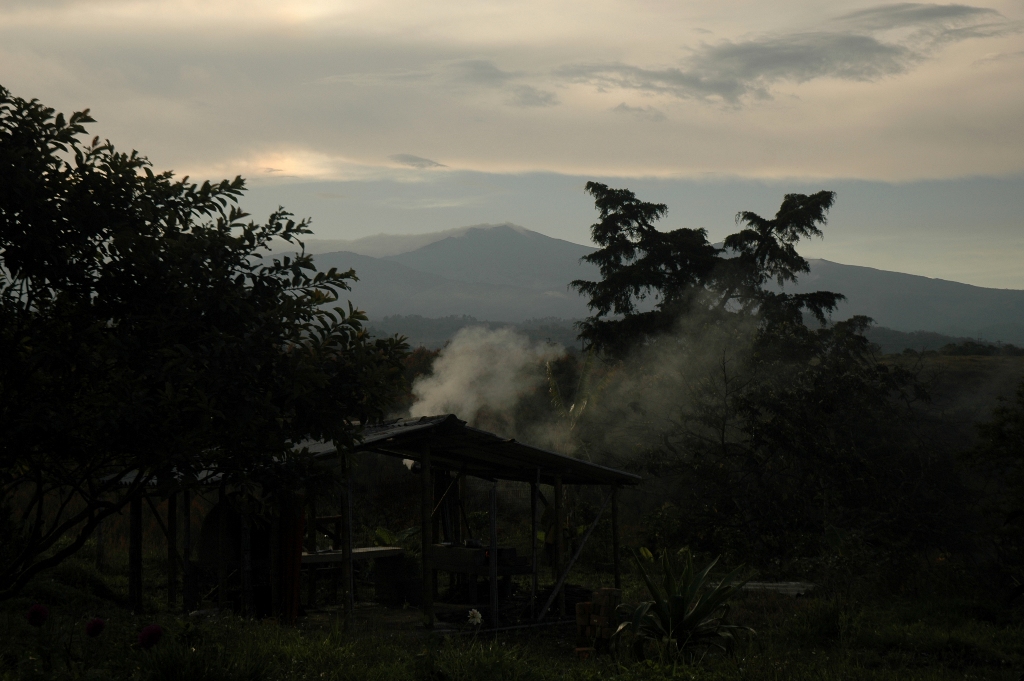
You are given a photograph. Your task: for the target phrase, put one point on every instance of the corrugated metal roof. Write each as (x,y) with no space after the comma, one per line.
(456,446)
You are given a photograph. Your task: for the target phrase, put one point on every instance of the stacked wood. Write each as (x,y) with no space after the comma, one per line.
(596,620)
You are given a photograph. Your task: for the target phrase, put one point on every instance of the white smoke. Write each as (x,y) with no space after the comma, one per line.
(482,372)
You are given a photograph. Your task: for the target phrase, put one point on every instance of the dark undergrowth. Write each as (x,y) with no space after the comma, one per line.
(824,637)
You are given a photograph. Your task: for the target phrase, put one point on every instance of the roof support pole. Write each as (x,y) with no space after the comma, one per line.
(222,549)
(348,585)
(533,542)
(172,550)
(311,576)
(559,544)
(187,591)
(101,562)
(426,510)
(493,562)
(579,549)
(135,552)
(615,537)
(245,566)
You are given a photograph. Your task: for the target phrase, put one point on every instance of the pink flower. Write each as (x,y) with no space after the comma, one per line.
(150,636)
(37,614)
(94,627)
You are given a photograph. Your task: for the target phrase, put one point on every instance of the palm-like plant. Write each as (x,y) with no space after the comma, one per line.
(687,612)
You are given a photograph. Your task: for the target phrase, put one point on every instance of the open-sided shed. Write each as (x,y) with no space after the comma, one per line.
(444,443)
(440,447)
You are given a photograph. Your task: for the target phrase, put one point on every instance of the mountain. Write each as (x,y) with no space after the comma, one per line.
(503,254)
(381,245)
(506,273)
(907,302)
(390,288)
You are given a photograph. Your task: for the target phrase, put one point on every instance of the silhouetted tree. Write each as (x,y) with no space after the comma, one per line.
(142,333)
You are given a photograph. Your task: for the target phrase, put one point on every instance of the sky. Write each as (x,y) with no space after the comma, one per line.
(405,117)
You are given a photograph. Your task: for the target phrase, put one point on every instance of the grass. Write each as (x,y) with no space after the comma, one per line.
(933,638)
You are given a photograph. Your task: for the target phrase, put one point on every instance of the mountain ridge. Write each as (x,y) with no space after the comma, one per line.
(507,273)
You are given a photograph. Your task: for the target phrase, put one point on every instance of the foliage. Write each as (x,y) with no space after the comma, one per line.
(951,636)
(685,273)
(999,456)
(144,333)
(687,612)
(771,430)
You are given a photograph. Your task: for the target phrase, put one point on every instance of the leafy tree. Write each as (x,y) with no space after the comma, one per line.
(145,337)
(769,436)
(685,274)
(999,457)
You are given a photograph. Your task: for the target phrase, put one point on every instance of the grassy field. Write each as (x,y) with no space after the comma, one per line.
(823,637)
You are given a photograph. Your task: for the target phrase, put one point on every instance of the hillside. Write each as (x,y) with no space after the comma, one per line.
(503,254)
(390,288)
(506,273)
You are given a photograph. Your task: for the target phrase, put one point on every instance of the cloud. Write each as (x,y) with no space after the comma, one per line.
(486,74)
(527,95)
(482,72)
(886,17)
(847,48)
(416,161)
(648,113)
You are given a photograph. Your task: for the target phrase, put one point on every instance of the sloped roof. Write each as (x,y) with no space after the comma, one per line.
(458,447)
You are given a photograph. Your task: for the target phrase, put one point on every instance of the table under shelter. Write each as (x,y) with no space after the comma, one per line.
(440,447)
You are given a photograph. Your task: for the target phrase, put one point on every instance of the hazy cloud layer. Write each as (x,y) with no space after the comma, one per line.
(416,161)
(848,48)
(300,90)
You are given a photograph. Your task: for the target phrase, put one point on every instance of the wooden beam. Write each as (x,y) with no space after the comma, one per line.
(346,541)
(615,538)
(561,580)
(187,596)
(222,549)
(493,562)
(559,543)
(533,543)
(172,550)
(311,584)
(101,558)
(426,510)
(135,553)
(248,601)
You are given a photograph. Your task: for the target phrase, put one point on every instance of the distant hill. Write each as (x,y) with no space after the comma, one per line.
(506,273)
(390,288)
(504,254)
(906,302)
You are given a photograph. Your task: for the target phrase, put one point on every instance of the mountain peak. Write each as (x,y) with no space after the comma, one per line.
(384,245)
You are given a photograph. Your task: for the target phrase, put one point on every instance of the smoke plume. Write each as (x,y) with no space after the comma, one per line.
(481,376)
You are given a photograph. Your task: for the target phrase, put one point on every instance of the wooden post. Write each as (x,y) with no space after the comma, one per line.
(426,510)
(188,598)
(559,540)
(337,569)
(346,542)
(135,553)
(435,521)
(464,532)
(493,562)
(615,537)
(222,549)
(172,550)
(101,557)
(533,542)
(288,533)
(245,566)
(311,548)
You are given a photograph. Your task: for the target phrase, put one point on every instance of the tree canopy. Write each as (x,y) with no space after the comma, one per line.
(683,273)
(145,330)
